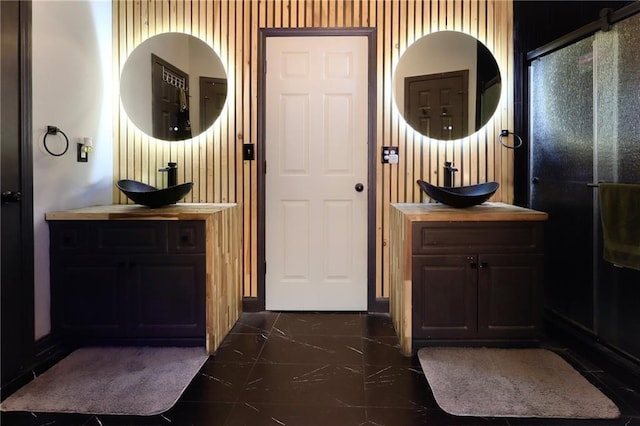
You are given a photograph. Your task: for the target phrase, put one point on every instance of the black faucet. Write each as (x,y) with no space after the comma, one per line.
(449,170)
(172,174)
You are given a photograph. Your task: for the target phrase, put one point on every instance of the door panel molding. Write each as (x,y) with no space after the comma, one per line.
(258,303)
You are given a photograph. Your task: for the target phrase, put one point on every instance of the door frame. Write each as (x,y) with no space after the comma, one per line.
(203,124)
(21,133)
(258,303)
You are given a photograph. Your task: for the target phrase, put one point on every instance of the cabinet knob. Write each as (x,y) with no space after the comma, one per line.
(472,262)
(484,264)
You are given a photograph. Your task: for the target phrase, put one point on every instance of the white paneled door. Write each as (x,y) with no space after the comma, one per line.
(316,173)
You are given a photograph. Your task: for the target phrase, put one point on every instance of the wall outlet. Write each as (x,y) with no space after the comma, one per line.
(390,155)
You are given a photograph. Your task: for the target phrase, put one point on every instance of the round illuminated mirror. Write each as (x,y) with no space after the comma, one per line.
(447,85)
(173,86)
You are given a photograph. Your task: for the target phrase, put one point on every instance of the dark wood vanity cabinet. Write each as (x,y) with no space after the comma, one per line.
(141,281)
(477,280)
(465,275)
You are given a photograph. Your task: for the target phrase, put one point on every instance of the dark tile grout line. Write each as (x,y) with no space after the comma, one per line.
(237,401)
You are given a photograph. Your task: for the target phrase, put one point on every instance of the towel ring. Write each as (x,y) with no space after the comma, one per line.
(507,133)
(52,130)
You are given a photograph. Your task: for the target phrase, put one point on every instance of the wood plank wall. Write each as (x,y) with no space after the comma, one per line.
(213,161)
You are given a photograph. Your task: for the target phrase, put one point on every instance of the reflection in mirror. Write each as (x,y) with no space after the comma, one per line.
(173,86)
(447,85)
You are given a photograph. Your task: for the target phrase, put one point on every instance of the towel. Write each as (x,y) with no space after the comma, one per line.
(183,99)
(620,214)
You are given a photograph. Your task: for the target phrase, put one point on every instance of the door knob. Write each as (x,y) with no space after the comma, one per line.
(11,197)
(359,187)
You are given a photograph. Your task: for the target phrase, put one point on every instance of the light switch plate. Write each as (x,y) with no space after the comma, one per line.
(390,155)
(249,151)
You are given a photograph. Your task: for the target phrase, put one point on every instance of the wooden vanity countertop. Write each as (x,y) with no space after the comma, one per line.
(485,212)
(180,211)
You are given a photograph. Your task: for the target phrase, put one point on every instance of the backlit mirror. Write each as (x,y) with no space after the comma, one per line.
(173,86)
(447,85)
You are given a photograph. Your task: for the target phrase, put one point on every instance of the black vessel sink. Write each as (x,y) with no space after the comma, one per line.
(460,196)
(147,195)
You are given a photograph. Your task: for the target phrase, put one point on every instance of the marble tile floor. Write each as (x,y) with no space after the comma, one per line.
(323,369)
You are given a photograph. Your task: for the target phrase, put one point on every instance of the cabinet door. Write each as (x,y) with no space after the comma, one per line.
(444,296)
(509,287)
(86,295)
(167,295)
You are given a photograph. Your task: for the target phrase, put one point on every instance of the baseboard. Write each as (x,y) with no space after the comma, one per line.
(379,305)
(252,304)
(583,341)
(49,347)
(48,351)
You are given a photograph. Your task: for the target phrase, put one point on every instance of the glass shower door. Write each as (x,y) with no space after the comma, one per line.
(617,159)
(584,129)
(561,136)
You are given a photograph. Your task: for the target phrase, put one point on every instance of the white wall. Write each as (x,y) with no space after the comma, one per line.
(72,91)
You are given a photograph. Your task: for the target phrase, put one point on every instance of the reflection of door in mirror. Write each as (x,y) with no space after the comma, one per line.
(436,104)
(169,101)
(213,94)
